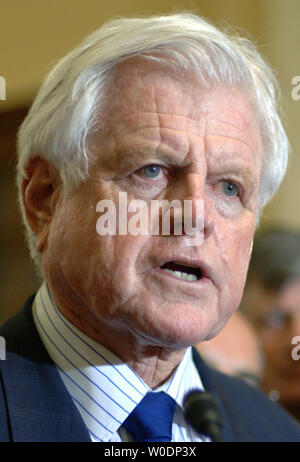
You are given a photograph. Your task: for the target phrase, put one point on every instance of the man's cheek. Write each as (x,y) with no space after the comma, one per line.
(236,270)
(241,246)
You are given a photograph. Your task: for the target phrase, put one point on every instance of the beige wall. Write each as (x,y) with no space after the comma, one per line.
(283,32)
(35,33)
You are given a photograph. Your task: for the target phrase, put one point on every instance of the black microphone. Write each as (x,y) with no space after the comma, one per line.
(202,412)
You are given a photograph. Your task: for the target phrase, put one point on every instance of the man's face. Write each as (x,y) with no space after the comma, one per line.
(276,314)
(199,144)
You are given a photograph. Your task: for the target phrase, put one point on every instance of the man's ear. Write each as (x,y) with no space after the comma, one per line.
(40,191)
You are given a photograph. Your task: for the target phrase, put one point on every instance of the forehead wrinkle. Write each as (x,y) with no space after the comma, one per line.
(173,142)
(162,132)
(245,122)
(198,120)
(216,135)
(158,121)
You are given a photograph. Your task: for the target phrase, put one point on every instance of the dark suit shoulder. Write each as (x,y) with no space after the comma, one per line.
(34,403)
(246,413)
(21,336)
(253,413)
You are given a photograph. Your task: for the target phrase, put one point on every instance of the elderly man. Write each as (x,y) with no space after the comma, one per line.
(160,108)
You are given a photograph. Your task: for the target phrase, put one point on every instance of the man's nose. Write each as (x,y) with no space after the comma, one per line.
(191,192)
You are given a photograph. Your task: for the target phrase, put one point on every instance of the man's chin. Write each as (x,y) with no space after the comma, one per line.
(175,339)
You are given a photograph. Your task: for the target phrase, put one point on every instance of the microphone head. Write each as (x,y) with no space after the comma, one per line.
(201,411)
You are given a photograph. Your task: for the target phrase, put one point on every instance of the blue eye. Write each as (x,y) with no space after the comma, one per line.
(152,171)
(230,189)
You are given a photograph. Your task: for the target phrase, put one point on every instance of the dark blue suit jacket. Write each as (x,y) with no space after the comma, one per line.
(35,405)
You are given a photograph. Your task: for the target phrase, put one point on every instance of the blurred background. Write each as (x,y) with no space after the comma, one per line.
(34,34)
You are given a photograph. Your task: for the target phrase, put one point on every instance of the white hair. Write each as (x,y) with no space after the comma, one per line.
(69,104)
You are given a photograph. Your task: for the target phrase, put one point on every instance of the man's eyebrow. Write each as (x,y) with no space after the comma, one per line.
(228,165)
(235,168)
(126,156)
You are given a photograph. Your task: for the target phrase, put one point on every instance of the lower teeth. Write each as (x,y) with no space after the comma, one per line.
(181,275)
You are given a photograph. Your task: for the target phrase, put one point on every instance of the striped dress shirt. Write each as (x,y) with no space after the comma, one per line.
(104,389)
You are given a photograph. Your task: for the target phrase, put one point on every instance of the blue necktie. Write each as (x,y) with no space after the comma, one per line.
(152,418)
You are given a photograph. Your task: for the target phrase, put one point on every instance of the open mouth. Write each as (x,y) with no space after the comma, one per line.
(187,273)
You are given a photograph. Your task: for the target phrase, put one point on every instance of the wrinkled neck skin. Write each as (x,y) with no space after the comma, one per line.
(154,364)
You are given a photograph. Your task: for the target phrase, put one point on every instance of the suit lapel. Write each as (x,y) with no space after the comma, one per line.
(39,406)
